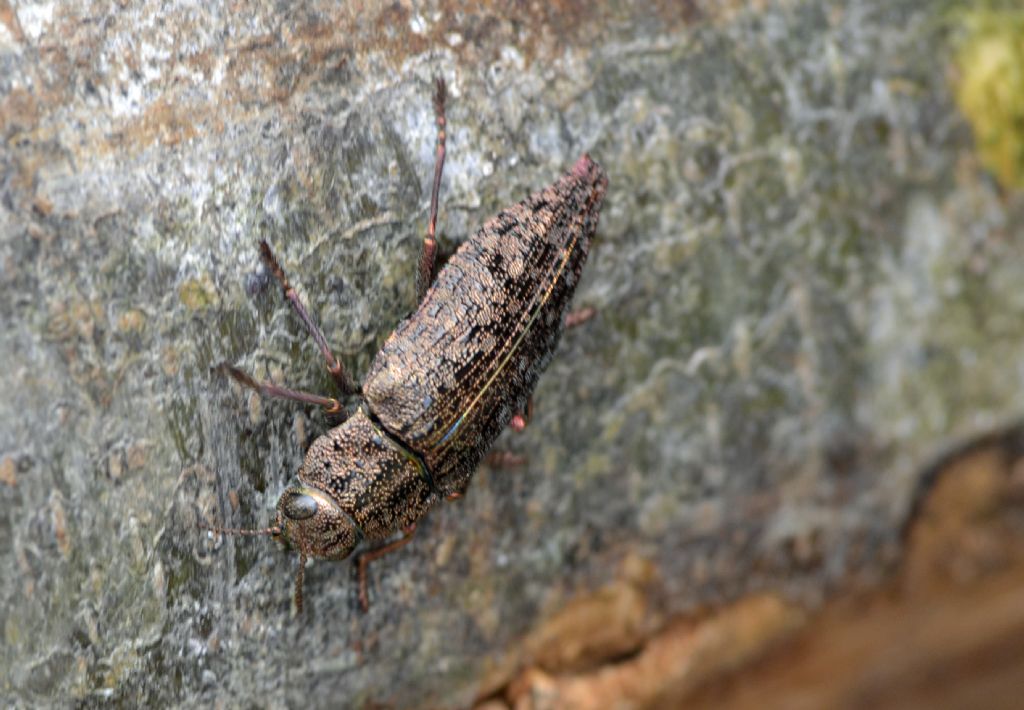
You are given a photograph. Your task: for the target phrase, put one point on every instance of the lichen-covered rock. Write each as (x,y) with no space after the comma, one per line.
(807,286)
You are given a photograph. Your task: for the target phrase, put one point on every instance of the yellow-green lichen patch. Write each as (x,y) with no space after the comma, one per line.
(990,89)
(198,294)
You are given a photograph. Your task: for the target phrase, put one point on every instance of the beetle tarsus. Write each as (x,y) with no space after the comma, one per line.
(520,420)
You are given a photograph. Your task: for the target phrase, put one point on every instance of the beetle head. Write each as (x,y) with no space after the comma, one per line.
(310,521)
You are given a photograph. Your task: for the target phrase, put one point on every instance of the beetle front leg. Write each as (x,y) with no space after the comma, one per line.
(367,557)
(269,389)
(428,255)
(334,365)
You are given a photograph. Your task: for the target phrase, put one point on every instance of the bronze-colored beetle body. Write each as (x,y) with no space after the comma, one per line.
(450,377)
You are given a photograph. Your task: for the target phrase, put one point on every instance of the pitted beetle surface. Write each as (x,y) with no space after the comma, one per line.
(447,381)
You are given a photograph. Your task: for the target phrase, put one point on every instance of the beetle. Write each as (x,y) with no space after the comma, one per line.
(446,382)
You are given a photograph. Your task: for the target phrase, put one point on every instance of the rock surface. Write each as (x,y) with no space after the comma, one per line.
(808,287)
(945,629)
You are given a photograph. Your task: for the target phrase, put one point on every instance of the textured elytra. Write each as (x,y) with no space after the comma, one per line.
(453,374)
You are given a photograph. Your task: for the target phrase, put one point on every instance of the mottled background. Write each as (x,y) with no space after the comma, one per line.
(808,275)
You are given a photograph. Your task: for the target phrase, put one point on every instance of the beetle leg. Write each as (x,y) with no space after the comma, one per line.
(429,253)
(334,365)
(572,320)
(458,494)
(505,459)
(369,556)
(520,420)
(579,317)
(268,389)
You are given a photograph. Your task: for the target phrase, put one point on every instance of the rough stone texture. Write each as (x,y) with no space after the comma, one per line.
(808,286)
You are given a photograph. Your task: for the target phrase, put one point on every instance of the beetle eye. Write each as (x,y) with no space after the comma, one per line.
(300,506)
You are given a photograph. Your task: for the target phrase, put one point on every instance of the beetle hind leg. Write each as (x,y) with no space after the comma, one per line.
(505,459)
(579,317)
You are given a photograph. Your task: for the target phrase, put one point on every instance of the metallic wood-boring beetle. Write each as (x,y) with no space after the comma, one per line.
(447,380)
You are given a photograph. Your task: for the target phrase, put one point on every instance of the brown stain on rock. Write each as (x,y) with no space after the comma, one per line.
(19,112)
(955,649)
(10,20)
(945,630)
(963,529)
(59,520)
(8,471)
(163,122)
(590,629)
(685,655)
(261,71)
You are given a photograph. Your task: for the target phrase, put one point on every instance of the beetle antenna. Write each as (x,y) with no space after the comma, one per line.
(275,530)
